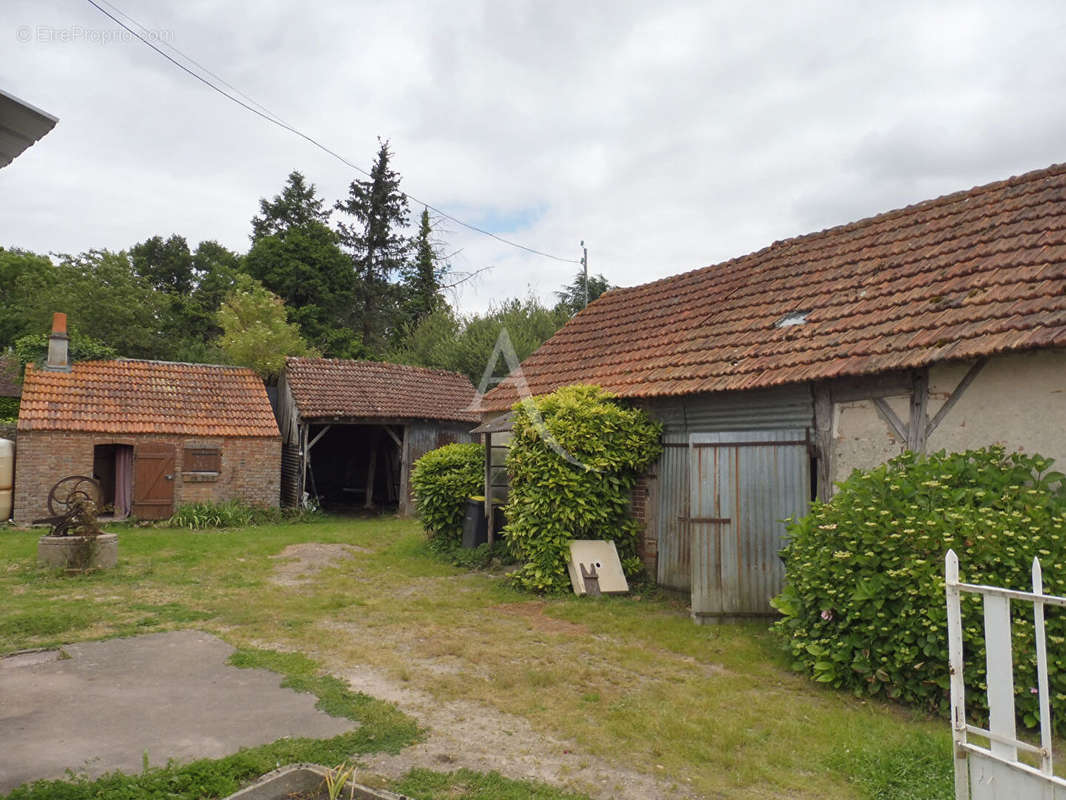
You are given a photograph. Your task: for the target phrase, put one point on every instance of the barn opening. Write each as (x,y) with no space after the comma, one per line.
(355,466)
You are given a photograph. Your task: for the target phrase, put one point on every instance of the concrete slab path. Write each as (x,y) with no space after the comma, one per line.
(103,704)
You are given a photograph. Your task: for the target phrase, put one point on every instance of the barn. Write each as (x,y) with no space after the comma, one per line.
(351,430)
(155,434)
(937,326)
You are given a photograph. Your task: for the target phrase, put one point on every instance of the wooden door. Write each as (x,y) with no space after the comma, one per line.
(153,481)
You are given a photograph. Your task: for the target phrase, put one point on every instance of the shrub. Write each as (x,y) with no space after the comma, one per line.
(574,482)
(442,481)
(9,409)
(864,597)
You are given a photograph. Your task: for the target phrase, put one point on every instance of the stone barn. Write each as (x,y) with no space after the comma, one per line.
(156,435)
(352,430)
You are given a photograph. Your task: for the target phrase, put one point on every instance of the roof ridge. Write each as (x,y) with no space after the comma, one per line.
(411,367)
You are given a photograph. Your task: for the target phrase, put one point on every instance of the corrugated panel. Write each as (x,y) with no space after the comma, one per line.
(743,484)
(786,407)
(290,475)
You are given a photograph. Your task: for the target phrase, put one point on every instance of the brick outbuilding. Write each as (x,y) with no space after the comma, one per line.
(155,434)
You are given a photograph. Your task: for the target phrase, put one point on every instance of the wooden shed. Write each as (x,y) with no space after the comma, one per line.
(351,430)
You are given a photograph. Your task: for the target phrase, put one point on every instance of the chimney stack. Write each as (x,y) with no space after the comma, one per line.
(58,345)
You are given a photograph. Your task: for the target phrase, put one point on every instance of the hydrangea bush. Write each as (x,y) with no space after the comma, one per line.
(574,458)
(864,606)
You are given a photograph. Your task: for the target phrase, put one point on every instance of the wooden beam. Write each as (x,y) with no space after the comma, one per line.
(318,436)
(371,471)
(392,433)
(405,476)
(919,418)
(823,440)
(953,398)
(889,416)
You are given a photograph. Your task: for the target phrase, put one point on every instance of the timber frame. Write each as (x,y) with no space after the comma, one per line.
(913,434)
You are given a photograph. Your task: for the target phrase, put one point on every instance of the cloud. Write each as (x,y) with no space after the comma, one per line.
(667,135)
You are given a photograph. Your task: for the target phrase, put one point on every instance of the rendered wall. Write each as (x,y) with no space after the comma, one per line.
(1017,400)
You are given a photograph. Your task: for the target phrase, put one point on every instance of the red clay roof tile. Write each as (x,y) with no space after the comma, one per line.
(128,396)
(969,274)
(327,388)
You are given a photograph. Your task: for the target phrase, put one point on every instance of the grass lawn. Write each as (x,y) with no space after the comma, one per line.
(628,680)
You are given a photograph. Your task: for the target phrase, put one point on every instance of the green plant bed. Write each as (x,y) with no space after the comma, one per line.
(864,597)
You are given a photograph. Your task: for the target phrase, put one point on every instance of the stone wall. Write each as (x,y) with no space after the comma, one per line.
(250,468)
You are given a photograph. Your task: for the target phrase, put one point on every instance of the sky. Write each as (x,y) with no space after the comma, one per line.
(666,135)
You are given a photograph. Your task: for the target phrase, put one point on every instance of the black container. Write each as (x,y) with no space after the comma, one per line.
(475,531)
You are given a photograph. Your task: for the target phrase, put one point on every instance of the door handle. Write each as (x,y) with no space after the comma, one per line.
(169,477)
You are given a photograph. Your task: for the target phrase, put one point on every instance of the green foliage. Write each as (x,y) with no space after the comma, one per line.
(442,481)
(572,296)
(574,458)
(378,246)
(297,205)
(16,315)
(465,344)
(422,276)
(33,349)
(864,599)
(233,514)
(256,330)
(9,409)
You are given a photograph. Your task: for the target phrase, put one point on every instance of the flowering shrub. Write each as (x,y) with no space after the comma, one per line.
(442,481)
(571,478)
(864,597)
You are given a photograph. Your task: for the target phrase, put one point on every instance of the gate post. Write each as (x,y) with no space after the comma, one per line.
(958,684)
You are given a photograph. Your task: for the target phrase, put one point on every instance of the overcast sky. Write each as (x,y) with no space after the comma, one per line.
(667,135)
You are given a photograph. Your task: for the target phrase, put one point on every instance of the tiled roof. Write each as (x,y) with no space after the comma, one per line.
(124,397)
(331,387)
(965,275)
(9,387)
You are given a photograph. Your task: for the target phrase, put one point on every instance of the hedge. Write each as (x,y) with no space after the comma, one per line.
(442,480)
(864,596)
(573,460)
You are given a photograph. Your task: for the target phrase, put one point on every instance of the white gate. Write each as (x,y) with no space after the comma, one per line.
(995,773)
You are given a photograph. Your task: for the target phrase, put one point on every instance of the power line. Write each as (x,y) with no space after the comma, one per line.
(273,119)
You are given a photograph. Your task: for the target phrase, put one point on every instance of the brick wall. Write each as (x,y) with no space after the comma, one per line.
(250,468)
(640,504)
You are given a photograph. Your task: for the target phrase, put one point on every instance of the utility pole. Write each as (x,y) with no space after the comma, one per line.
(585,265)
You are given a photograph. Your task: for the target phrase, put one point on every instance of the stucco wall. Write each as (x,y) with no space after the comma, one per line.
(1017,400)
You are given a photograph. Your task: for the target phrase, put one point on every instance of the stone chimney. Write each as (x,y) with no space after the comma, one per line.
(58,345)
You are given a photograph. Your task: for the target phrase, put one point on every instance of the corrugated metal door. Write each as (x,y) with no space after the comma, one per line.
(742,485)
(780,408)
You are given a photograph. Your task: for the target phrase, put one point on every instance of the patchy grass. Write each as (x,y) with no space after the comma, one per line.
(629,680)
(464,784)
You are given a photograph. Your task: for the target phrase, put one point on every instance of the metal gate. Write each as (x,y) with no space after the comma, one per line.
(994,772)
(742,486)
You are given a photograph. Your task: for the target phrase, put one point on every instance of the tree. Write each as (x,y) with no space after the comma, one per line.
(304,265)
(297,205)
(572,296)
(377,245)
(167,264)
(422,276)
(17,317)
(465,345)
(104,299)
(256,332)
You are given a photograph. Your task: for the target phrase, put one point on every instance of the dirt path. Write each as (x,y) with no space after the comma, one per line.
(465,734)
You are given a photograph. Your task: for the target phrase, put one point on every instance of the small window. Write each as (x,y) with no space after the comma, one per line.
(446,437)
(795,318)
(202,459)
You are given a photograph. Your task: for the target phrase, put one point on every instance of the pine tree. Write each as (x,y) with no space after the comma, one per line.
(296,206)
(378,247)
(422,276)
